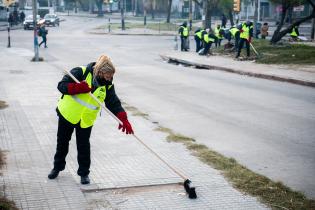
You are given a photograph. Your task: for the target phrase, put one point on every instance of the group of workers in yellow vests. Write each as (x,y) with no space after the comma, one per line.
(242,34)
(206,37)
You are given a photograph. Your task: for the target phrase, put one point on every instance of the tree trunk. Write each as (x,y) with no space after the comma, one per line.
(230,14)
(255,19)
(313,29)
(99,4)
(276,35)
(153,6)
(169,11)
(91,6)
(204,12)
(208,17)
(281,34)
(190,15)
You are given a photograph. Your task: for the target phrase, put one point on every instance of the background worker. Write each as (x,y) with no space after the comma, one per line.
(184,33)
(208,39)
(246,34)
(295,33)
(234,33)
(199,38)
(264,31)
(218,32)
(77,111)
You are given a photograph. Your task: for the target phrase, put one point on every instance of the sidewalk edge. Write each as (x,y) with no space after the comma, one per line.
(252,74)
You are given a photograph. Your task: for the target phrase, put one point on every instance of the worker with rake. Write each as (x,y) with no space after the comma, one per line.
(77,110)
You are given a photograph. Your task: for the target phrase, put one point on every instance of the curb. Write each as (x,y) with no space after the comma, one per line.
(130,34)
(252,74)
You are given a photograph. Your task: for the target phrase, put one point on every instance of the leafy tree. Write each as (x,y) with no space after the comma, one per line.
(286,6)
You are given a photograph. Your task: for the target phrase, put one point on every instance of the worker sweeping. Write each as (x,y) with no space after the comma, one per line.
(246,34)
(77,110)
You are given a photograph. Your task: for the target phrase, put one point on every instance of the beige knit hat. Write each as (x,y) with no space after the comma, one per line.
(103,64)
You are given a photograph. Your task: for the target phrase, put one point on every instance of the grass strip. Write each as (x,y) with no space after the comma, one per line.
(274,194)
(282,53)
(5,204)
(157,26)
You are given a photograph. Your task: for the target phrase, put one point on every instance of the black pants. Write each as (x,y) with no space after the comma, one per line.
(207,48)
(240,46)
(65,130)
(183,44)
(218,42)
(43,41)
(198,43)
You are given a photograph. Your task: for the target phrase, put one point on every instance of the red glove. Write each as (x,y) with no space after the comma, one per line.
(250,40)
(241,30)
(76,88)
(126,126)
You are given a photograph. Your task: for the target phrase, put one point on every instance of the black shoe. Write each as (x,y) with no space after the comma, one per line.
(85,179)
(53,174)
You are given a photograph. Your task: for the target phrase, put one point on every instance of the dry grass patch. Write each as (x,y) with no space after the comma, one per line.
(3,104)
(274,194)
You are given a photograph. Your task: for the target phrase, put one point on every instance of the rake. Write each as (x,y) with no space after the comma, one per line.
(191,191)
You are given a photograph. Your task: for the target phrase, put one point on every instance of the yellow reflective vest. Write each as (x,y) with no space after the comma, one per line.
(207,39)
(233,31)
(185,31)
(293,33)
(82,107)
(245,33)
(217,33)
(199,34)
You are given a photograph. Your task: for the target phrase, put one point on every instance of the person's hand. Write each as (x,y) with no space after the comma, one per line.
(250,40)
(76,88)
(241,30)
(126,126)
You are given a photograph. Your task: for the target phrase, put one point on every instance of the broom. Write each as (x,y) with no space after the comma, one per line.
(191,191)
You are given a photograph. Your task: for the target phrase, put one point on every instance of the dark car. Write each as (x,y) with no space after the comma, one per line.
(51,19)
(28,22)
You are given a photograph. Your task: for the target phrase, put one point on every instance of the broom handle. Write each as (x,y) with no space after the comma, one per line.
(253,48)
(113,116)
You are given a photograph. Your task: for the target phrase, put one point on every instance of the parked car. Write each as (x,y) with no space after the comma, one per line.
(28,22)
(51,19)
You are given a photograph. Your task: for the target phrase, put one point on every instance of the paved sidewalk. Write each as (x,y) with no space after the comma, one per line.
(28,136)
(302,75)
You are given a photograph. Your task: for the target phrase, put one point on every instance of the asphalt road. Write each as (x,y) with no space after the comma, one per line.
(268,126)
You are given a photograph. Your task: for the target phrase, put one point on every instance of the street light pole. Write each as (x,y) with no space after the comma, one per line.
(36,57)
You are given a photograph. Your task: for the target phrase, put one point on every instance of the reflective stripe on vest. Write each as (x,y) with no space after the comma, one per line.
(82,107)
(199,34)
(233,31)
(293,33)
(245,33)
(185,31)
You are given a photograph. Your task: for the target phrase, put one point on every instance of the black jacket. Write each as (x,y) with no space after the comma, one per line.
(112,101)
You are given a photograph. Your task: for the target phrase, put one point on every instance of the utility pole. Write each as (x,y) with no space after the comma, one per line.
(34,4)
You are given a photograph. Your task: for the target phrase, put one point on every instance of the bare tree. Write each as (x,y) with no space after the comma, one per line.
(286,5)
